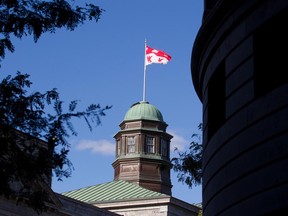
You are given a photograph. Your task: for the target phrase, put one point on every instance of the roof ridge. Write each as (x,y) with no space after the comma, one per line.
(114,190)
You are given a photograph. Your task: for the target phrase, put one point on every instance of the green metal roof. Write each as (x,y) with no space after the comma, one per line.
(112,191)
(143,110)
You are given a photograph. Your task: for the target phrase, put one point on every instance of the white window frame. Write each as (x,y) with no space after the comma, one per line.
(150,145)
(131,144)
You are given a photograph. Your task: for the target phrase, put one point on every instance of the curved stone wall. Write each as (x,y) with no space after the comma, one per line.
(239,66)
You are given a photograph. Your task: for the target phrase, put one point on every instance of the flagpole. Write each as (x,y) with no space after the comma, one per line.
(144,82)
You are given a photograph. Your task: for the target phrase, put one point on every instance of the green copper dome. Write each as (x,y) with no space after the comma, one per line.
(143,110)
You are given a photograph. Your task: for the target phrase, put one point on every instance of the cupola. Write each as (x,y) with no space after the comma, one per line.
(143,149)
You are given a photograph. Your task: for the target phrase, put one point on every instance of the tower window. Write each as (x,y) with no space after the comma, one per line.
(164,146)
(118,147)
(216,100)
(150,147)
(270,60)
(131,144)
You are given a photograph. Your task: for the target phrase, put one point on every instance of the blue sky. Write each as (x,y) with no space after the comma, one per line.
(103,63)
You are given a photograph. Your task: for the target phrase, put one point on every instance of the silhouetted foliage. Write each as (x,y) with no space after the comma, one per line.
(25,159)
(188,165)
(20,18)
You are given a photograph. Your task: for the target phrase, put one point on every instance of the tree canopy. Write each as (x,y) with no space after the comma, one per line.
(33,142)
(23,125)
(20,18)
(188,164)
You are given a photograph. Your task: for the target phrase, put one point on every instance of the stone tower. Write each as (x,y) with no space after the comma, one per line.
(240,75)
(143,149)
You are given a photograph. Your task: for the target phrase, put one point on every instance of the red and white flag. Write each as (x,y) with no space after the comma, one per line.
(156,56)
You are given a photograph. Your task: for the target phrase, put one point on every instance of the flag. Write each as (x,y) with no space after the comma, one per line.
(156,56)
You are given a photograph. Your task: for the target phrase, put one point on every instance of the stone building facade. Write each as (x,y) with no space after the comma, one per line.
(239,71)
(142,184)
(129,199)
